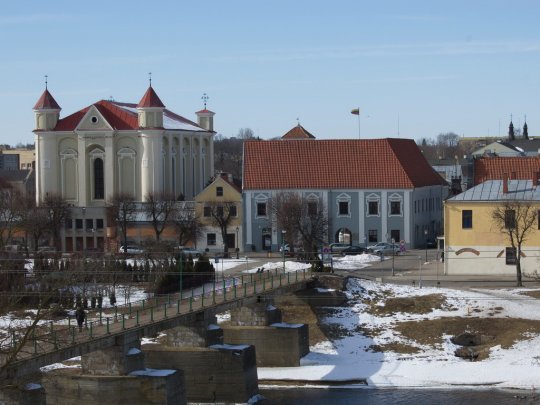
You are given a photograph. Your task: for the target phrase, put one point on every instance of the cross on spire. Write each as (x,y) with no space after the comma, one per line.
(150,78)
(46,81)
(204,98)
(298,121)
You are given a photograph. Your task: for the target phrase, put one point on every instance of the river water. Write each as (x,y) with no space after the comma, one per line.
(305,396)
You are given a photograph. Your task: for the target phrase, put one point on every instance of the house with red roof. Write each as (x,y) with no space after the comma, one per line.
(111,147)
(373,190)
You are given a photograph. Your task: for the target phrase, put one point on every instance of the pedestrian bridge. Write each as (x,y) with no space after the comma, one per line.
(31,349)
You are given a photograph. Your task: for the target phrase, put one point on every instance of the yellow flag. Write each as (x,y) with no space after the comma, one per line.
(355,111)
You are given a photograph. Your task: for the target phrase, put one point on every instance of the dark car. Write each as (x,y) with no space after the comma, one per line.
(353,250)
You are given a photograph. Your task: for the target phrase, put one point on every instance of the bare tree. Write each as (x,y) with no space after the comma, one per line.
(221,214)
(304,221)
(122,209)
(9,211)
(160,209)
(57,208)
(516,220)
(188,226)
(34,221)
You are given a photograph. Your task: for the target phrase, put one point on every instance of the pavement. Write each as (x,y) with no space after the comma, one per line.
(418,267)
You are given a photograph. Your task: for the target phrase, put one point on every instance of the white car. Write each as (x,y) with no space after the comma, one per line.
(384,248)
(134,250)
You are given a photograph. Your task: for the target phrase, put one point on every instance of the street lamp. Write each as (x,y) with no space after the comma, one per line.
(283,232)
(425,237)
(237,250)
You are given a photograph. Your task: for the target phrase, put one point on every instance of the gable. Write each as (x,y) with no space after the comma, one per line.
(93,120)
(230,193)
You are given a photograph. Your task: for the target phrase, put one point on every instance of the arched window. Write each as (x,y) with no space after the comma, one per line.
(99,179)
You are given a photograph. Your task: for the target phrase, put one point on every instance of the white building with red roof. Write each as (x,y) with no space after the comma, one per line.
(111,147)
(372,189)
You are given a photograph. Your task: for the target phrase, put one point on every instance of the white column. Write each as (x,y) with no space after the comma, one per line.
(361,218)
(384,215)
(109,167)
(83,174)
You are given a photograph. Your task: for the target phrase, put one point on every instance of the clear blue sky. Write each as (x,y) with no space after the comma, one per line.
(461,66)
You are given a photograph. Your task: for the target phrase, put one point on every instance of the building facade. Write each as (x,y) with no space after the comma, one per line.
(110,148)
(371,190)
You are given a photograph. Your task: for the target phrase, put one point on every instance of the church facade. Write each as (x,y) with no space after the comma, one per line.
(111,148)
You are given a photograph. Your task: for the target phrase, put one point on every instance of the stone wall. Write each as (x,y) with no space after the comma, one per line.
(220,373)
(278,345)
(259,314)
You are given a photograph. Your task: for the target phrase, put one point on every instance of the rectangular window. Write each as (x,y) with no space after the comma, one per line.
(395,207)
(219,212)
(394,234)
(211,239)
(312,209)
(372,235)
(466,219)
(69,223)
(207,211)
(232,211)
(510,255)
(219,191)
(510,219)
(99,223)
(89,224)
(261,209)
(343,208)
(78,223)
(373,208)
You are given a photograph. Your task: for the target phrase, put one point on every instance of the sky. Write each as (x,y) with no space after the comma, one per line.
(414,68)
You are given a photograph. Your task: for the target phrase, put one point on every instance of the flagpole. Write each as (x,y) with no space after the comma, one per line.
(359,137)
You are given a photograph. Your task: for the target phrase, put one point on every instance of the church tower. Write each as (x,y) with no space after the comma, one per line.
(205,118)
(150,110)
(47,112)
(525,129)
(511,135)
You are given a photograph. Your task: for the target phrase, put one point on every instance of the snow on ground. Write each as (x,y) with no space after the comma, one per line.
(348,359)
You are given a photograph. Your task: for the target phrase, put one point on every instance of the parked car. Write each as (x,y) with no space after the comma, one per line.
(338,247)
(190,251)
(384,248)
(134,250)
(287,249)
(431,243)
(353,251)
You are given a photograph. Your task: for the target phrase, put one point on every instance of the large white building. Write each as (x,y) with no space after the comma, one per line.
(111,147)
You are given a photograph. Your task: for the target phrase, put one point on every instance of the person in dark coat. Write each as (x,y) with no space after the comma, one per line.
(80,316)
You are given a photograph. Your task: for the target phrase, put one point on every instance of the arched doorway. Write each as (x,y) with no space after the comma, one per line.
(343,235)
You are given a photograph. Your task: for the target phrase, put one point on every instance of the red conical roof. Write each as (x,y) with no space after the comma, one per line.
(150,99)
(46,101)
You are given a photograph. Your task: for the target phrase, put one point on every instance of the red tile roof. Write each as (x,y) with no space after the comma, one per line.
(46,101)
(150,99)
(298,132)
(336,164)
(517,168)
(205,111)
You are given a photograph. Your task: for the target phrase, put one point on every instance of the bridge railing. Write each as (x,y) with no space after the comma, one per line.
(51,337)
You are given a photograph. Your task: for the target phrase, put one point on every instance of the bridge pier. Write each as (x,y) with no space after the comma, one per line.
(28,394)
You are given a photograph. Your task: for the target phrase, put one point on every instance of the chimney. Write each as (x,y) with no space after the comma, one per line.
(505,183)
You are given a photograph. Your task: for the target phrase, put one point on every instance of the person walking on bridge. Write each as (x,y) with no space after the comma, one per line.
(80,315)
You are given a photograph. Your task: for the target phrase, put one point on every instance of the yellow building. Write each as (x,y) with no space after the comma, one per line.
(220,203)
(474,241)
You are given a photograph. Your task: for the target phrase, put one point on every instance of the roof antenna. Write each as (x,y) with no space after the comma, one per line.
(204,98)
(46,81)
(150,78)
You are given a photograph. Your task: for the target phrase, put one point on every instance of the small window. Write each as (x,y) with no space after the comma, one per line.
(207,212)
(510,255)
(219,191)
(343,208)
(220,212)
(78,223)
(372,235)
(211,239)
(373,208)
(510,219)
(261,209)
(99,223)
(69,223)
(232,211)
(312,208)
(94,119)
(395,207)
(89,224)
(466,219)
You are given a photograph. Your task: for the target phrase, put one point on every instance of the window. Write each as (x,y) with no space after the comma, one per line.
(99,179)
(510,255)
(466,219)
(89,224)
(211,239)
(219,211)
(261,209)
(78,223)
(395,207)
(510,219)
(395,234)
(373,208)
(232,211)
(372,235)
(207,212)
(219,191)
(69,223)
(312,208)
(343,208)
(99,223)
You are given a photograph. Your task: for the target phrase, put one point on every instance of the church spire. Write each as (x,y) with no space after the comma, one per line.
(511,135)
(525,129)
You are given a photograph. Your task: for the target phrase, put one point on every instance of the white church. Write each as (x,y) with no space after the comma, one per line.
(111,147)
